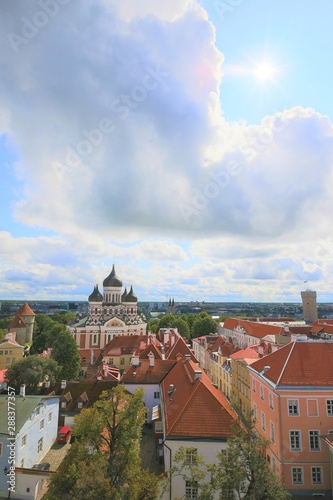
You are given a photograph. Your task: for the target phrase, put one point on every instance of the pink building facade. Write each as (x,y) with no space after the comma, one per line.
(292,401)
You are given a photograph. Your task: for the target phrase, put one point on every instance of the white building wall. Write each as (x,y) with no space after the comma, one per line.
(207,449)
(149,400)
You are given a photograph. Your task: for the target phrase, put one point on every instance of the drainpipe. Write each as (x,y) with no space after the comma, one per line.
(170,467)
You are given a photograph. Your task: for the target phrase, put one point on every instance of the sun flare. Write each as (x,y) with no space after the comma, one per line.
(264,71)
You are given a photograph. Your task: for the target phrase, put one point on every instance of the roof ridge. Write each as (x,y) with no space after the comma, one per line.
(285,364)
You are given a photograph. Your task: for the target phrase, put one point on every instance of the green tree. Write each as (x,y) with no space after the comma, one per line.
(166,321)
(203,324)
(63,317)
(242,470)
(153,325)
(65,352)
(182,326)
(104,461)
(32,371)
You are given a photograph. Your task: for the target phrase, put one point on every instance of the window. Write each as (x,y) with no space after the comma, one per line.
(273,465)
(122,361)
(329,407)
(295,440)
(80,405)
(41,425)
(316,475)
(191,490)
(314,440)
(156,395)
(271,405)
(38,410)
(7,360)
(49,417)
(263,421)
(254,386)
(84,359)
(109,338)
(94,339)
(63,404)
(40,445)
(24,440)
(111,361)
(272,432)
(293,407)
(191,456)
(254,411)
(297,475)
(261,392)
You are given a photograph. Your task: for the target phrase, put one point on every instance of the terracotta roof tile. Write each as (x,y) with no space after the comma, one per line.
(25,310)
(299,363)
(145,374)
(195,408)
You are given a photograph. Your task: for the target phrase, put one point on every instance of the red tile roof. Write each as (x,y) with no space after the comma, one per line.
(299,364)
(145,374)
(179,347)
(17,322)
(153,349)
(195,408)
(125,344)
(253,328)
(11,342)
(25,310)
(250,352)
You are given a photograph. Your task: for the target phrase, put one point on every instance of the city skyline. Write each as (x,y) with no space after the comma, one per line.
(190,144)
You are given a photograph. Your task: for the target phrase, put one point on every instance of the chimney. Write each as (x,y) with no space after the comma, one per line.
(163,352)
(197,374)
(22,390)
(187,357)
(286,329)
(151,360)
(63,384)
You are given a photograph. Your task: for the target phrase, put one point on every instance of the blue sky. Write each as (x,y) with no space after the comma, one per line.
(188,142)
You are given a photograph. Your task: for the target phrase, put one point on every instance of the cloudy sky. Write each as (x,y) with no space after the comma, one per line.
(189,142)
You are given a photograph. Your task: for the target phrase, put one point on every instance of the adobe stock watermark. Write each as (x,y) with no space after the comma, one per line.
(219,181)
(323,249)
(122,106)
(223,7)
(31,27)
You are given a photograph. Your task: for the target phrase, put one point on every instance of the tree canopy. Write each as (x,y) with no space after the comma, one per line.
(65,352)
(31,371)
(104,461)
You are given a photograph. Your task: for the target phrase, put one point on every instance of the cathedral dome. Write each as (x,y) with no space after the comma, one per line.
(124,295)
(130,297)
(96,296)
(112,280)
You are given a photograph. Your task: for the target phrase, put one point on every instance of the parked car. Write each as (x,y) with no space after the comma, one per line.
(64,434)
(42,466)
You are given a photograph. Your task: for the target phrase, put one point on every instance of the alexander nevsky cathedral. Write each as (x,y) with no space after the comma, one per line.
(109,314)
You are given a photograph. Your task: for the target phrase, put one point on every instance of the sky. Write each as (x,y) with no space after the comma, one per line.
(188,142)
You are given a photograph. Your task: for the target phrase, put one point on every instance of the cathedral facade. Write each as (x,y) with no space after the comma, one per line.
(110,314)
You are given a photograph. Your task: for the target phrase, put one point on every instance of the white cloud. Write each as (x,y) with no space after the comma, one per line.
(114,109)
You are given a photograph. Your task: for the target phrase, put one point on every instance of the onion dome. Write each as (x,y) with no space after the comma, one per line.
(130,297)
(124,295)
(112,280)
(96,296)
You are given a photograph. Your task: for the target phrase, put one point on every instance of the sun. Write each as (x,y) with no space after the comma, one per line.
(264,71)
